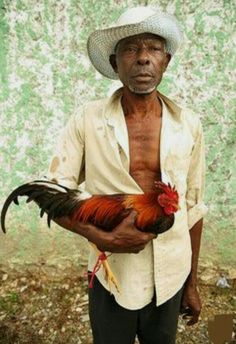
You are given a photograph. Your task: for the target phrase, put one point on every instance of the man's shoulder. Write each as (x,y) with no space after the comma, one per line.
(95,106)
(192,120)
(185,115)
(90,111)
(190,116)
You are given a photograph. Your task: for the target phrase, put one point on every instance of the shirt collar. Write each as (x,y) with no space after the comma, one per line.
(114,116)
(114,106)
(173,107)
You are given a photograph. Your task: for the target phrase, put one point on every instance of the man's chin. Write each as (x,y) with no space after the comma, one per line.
(140,91)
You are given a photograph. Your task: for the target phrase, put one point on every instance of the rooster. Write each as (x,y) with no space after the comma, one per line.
(155,210)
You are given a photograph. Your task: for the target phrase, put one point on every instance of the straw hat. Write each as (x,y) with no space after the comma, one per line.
(134,21)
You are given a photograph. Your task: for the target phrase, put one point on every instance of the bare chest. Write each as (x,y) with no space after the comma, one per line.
(144,147)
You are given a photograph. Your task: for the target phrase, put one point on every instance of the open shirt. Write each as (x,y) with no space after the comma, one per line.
(94,149)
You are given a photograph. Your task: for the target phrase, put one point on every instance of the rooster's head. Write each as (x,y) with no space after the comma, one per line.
(168,198)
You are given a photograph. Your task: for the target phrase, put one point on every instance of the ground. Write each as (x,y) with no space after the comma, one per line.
(49,304)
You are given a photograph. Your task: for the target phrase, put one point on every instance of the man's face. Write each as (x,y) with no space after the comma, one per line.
(140,62)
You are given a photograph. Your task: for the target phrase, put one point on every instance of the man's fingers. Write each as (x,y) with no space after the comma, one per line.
(186,313)
(138,248)
(136,251)
(183,308)
(193,321)
(189,313)
(131,217)
(130,220)
(181,311)
(151,236)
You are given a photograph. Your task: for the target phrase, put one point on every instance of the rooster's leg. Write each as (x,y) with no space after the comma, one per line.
(110,277)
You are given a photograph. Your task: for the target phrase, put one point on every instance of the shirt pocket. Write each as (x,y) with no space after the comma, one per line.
(182,145)
(179,154)
(179,164)
(178,160)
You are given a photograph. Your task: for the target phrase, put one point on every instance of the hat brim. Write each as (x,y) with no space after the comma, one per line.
(101,43)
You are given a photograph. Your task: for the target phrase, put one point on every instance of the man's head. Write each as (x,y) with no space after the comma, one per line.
(135,22)
(140,61)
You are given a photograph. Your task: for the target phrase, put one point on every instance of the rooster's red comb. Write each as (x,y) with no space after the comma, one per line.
(167,188)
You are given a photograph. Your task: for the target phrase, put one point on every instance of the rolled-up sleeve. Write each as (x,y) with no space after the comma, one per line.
(196,207)
(67,164)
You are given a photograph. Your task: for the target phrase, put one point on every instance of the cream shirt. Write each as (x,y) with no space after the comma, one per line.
(94,149)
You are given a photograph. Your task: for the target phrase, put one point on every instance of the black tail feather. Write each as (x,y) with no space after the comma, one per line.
(51,200)
(70,205)
(42,212)
(34,195)
(49,218)
(16,201)
(13,197)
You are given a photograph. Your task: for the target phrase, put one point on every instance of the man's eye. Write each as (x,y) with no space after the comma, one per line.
(131,49)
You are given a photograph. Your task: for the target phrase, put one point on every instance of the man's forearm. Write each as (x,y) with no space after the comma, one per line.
(195,235)
(88,231)
(124,238)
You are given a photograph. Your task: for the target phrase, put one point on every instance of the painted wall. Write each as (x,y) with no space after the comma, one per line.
(45,74)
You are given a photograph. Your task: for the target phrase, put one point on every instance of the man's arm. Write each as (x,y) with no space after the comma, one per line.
(195,235)
(125,238)
(191,303)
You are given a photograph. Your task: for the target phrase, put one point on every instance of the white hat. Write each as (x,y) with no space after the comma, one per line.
(134,21)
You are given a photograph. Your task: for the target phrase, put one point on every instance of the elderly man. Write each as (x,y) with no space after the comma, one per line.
(122,145)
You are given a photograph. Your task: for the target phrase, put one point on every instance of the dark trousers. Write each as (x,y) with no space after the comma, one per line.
(113,324)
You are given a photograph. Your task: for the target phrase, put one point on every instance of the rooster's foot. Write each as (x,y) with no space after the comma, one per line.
(110,277)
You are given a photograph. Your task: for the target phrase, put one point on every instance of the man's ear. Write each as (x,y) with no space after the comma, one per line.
(112,60)
(168,58)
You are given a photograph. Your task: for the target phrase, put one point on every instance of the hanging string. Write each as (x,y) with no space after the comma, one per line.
(102,256)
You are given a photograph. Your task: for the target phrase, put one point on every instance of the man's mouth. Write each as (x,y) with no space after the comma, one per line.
(142,76)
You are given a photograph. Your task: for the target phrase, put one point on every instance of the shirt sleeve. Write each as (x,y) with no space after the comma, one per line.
(196,207)
(67,163)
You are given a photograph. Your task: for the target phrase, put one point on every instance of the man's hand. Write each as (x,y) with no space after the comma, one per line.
(126,238)
(191,304)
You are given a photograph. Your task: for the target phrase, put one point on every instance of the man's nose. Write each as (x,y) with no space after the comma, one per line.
(143,57)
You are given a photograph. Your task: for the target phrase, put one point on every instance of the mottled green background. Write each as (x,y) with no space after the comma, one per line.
(45,74)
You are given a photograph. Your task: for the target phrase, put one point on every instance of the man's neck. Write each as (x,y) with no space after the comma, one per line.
(139,105)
